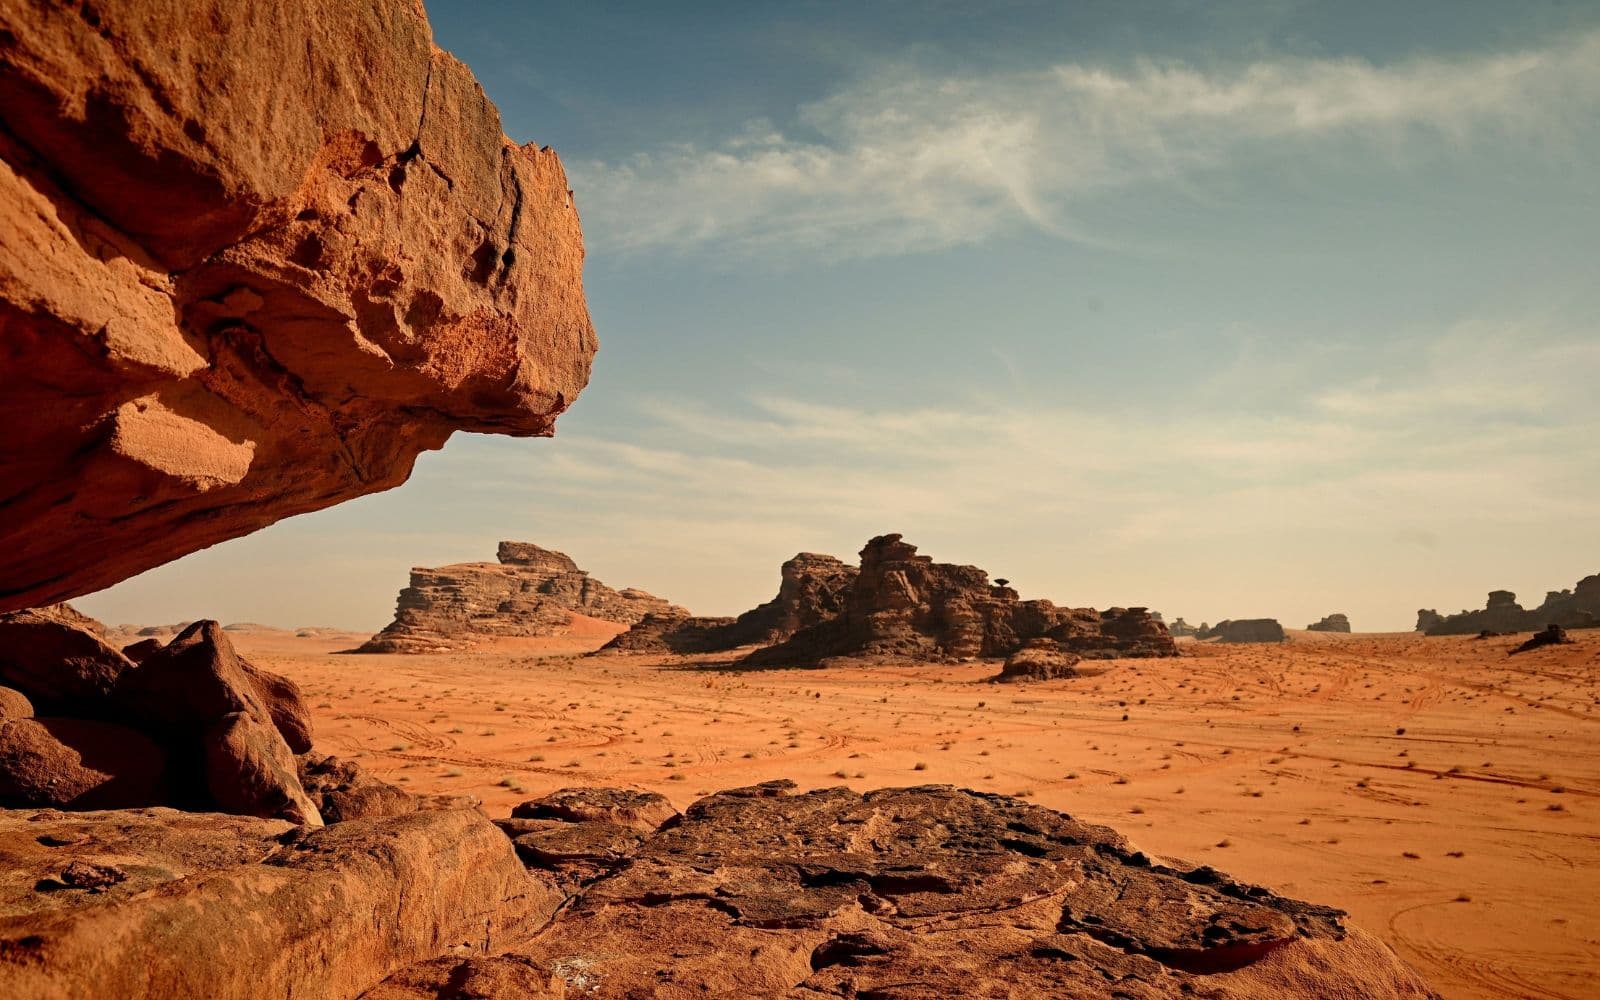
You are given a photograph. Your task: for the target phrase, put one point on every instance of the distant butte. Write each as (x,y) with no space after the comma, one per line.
(530,591)
(1571,609)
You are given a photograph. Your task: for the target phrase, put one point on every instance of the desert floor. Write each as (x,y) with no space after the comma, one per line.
(1442,792)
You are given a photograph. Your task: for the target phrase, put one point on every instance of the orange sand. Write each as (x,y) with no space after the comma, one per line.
(1442,793)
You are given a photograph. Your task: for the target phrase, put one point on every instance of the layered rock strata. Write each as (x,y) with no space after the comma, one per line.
(902,605)
(530,591)
(254,258)
(1575,608)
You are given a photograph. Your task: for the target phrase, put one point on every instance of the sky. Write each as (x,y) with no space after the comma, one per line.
(1229,309)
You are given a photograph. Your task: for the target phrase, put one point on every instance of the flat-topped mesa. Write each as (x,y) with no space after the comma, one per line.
(1570,609)
(254,259)
(901,605)
(531,591)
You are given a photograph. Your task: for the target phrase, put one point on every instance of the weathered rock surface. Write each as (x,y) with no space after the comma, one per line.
(254,258)
(811,590)
(905,605)
(1246,630)
(917,893)
(1039,661)
(222,907)
(1330,623)
(78,764)
(1575,608)
(531,591)
(1178,628)
(644,811)
(14,704)
(61,666)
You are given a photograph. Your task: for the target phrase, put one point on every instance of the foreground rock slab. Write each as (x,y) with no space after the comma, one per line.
(158,903)
(917,893)
(254,258)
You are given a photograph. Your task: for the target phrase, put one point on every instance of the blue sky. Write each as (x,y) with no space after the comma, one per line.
(1231,309)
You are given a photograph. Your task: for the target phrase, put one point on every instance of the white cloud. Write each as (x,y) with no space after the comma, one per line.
(906,161)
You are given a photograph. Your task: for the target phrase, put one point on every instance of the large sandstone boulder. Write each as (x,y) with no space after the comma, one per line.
(14,704)
(915,893)
(78,764)
(59,664)
(250,771)
(1039,661)
(222,907)
(530,591)
(901,605)
(254,258)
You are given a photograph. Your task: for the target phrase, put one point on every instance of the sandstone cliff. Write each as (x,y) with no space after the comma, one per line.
(531,591)
(1575,608)
(1330,623)
(254,258)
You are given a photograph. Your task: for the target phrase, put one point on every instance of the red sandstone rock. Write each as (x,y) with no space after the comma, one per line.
(220,907)
(14,704)
(531,591)
(1043,662)
(902,605)
(1578,607)
(56,662)
(78,764)
(643,811)
(254,258)
(250,771)
(919,893)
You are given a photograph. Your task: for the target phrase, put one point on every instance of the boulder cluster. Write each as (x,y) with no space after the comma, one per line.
(1576,608)
(530,591)
(899,605)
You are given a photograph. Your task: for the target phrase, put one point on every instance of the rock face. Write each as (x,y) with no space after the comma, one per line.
(1040,660)
(530,592)
(254,258)
(915,893)
(904,605)
(811,590)
(1330,623)
(1178,628)
(157,903)
(1246,630)
(1575,608)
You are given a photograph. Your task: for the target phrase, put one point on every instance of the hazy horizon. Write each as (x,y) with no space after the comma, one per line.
(1267,309)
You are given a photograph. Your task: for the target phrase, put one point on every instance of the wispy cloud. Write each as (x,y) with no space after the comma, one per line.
(906,161)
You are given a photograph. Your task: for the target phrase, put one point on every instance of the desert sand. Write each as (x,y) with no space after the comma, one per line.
(1438,789)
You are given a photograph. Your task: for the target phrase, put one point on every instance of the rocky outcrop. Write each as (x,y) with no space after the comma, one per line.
(1040,660)
(254,258)
(902,605)
(1550,635)
(1575,608)
(155,903)
(1179,629)
(811,590)
(1245,630)
(909,893)
(530,591)
(1330,623)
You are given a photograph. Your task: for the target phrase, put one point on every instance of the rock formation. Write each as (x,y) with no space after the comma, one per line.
(1330,623)
(1039,660)
(531,591)
(902,605)
(758,892)
(1550,635)
(254,258)
(1179,628)
(811,590)
(1245,630)
(1575,608)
